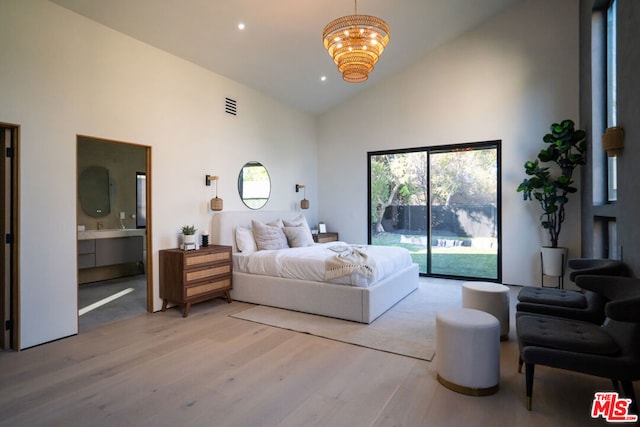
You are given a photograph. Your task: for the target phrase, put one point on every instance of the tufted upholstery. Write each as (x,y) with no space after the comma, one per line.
(564,334)
(610,350)
(553,297)
(583,305)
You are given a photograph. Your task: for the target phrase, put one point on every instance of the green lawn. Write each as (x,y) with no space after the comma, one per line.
(464,261)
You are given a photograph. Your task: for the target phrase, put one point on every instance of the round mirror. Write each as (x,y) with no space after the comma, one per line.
(254,185)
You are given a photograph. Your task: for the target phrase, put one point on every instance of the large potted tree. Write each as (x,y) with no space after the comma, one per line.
(550,182)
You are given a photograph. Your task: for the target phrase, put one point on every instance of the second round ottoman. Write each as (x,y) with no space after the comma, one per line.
(492,298)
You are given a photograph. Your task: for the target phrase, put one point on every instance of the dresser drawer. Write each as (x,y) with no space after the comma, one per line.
(206,273)
(206,258)
(205,288)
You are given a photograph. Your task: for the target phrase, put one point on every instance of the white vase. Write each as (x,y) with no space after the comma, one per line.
(553,261)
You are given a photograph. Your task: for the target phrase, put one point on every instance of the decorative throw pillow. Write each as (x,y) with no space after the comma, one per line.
(268,237)
(245,241)
(298,236)
(300,221)
(276,223)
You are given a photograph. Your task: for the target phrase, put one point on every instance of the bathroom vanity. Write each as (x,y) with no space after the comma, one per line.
(104,248)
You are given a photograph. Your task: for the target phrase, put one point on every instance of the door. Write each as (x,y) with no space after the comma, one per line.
(464,214)
(8,252)
(442,204)
(114,282)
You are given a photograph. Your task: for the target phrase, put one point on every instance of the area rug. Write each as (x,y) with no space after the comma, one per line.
(407,328)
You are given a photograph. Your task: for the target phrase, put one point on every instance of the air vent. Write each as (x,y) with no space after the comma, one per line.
(230,106)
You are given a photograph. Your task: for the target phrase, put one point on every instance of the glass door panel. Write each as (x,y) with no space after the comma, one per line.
(441,204)
(398,199)
(464,213)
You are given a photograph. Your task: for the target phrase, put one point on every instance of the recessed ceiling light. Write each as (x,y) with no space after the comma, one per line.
(323,78)
(241,26)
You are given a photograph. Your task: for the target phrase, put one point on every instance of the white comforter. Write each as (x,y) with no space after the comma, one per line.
(308,263)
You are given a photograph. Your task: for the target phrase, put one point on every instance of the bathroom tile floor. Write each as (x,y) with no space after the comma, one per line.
(132,302)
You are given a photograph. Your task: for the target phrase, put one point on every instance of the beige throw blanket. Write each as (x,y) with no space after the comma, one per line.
(349,259)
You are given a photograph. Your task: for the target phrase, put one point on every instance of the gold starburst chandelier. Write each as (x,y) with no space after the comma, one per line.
(355,42)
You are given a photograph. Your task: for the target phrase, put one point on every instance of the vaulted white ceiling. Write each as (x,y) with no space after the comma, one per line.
(280,51)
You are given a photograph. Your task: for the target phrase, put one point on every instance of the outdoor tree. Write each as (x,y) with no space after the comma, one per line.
(460,177)
(389,185)
(463,177)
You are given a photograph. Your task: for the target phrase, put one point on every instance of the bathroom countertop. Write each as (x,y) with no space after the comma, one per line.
(110,233)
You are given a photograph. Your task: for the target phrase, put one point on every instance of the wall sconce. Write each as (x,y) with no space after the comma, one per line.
(304,203)
(216,203)
(613,141)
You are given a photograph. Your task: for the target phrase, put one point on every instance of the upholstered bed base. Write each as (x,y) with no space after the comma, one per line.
(327,299)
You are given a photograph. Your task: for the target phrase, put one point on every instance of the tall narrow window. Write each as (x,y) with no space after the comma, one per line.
(442,204)
(141,200)
(612,95)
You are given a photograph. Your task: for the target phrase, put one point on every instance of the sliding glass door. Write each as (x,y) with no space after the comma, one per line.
(442,204)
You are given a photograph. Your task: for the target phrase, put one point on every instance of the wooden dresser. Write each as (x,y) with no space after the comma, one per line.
(188,277)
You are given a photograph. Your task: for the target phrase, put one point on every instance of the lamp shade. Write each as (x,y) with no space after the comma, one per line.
(216,204)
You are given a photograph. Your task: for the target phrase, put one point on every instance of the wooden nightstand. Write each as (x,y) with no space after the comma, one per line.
(188,277)
(325,237)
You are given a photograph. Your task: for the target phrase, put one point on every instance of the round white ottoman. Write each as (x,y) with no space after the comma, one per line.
(468,351)
(492,298)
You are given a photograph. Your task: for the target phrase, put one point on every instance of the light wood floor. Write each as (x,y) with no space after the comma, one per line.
(214,370)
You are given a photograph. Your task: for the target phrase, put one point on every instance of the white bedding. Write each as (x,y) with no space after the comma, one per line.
(308,263)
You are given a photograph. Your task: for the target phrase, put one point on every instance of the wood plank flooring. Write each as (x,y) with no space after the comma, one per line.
(213,370)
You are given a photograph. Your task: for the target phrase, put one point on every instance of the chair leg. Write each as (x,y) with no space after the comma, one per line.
(627,386)
(529,368)
(520,362)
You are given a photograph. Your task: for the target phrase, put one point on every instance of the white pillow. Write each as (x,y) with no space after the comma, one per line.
(298,236)
(299,221)
(268,237)
(245,241)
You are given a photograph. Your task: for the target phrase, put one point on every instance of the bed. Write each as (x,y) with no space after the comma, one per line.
(357,303)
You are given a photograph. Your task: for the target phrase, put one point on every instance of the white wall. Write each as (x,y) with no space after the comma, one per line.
(509,79)
(63,75)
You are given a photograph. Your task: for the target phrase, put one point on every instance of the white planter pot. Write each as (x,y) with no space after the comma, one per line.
(189,239)
(553,261)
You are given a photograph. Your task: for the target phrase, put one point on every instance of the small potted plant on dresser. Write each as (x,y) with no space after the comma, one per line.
(188,237)
(551,186)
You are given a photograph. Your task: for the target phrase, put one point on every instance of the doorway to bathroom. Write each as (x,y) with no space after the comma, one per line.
(114,236)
